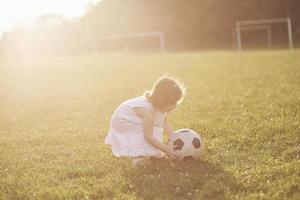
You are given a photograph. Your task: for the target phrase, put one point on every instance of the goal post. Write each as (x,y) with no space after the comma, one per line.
(247,24)
(265,28)
(158,34)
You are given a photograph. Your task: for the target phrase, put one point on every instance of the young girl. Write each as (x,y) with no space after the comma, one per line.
(137,125)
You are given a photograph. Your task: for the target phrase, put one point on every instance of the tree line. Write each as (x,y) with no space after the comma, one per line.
(187,25)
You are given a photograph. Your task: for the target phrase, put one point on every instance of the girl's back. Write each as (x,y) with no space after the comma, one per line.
(126,134)
(125,111)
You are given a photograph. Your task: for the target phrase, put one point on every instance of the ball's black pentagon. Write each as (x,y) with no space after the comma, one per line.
(188,158)
(178,144)
(196,143)
(184,131)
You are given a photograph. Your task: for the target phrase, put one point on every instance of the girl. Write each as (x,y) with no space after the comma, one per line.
(137,125)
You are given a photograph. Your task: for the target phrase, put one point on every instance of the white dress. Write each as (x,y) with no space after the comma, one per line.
(126,133)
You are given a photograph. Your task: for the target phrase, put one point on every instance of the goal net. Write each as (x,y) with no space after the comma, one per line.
(262,25)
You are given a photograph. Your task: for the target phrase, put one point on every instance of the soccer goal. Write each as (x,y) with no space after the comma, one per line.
(262,24)
(266,29)
(125,42)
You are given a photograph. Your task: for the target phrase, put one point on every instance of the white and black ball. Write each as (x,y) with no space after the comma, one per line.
(187,144)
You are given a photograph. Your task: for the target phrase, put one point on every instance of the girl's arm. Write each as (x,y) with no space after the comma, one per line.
(148,120)
(167,128)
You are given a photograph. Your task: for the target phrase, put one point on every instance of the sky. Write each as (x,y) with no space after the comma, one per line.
(13,12)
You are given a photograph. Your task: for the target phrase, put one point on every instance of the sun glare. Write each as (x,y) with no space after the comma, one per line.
(14,12)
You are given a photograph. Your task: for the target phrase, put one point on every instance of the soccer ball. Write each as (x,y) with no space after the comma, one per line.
(186,143)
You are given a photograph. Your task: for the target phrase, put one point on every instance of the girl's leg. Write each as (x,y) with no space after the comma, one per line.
(158,157)
(138,160)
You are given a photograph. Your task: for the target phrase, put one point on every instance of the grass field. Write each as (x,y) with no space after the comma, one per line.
(55,112)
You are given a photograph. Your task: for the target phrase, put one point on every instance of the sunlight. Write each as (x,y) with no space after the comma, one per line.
(14,12)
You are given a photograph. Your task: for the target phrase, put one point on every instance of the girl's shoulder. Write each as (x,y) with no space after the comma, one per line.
(142,102)
(139,101)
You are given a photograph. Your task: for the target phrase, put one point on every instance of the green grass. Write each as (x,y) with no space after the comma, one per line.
(55,112)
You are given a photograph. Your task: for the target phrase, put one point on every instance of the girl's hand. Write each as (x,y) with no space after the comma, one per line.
(170,151)
(171,134)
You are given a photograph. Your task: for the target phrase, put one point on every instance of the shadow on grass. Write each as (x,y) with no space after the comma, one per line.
(166,179)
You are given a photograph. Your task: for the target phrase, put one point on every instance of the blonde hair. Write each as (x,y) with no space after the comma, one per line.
(166,91)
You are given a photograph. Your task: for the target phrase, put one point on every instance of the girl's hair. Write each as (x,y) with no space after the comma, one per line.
(166,91)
